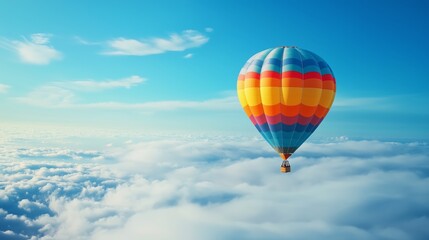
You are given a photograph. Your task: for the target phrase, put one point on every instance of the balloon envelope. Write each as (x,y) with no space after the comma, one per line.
(286,92)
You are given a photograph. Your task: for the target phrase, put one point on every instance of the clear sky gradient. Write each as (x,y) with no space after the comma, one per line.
(172,65)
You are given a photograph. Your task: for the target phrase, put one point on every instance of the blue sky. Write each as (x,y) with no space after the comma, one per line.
(118,119)
(82,73)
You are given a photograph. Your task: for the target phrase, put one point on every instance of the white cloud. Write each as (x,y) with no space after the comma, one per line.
(175,42)
(4,88)
(36,51)
(225,188)
(189,55)
(92,85)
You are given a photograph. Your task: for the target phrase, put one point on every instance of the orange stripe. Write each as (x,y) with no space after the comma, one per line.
(329,85)
(271,82)
(241,77)
(247,111)
(272,110)
(291,111)
(313,83)
(257,110)
(251,82)
(321,111)
(292,82)
(307,111)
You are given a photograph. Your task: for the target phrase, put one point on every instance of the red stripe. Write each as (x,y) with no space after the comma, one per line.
(271,74)
(253,75)
(292,74)
(327,77)
(252,119)
(312,75)
(262,119)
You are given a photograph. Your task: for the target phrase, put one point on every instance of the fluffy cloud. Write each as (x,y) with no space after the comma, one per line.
(175,42)
(34,51)
(220,188)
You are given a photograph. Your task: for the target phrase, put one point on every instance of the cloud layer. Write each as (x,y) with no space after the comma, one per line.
(218,188)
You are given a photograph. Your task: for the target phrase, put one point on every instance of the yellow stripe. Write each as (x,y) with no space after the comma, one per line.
(270,95)
(326,98)
(240,84)
(311,96)
(291,96)
(242,97)
(253,96)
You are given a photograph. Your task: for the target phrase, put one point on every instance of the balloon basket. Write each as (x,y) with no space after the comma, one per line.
(285,167)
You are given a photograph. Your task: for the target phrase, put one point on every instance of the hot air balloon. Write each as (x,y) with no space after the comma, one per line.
(286,92)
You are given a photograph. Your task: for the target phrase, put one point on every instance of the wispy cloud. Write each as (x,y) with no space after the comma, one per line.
(49,96)
(93,85)
(4,88)
(34,51)
(189,55)
(175,42)
(83,41)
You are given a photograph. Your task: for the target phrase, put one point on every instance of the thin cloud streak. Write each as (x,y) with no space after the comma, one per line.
(93,85)
(175,42)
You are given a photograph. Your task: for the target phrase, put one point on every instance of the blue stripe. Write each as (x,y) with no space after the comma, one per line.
(274,61)
(292,61)
(312,68)
(322,64)
(288,139)
(271,67)
(309,62)
(292,67)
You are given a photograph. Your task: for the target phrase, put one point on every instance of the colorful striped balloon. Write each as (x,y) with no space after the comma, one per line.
(286,92)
